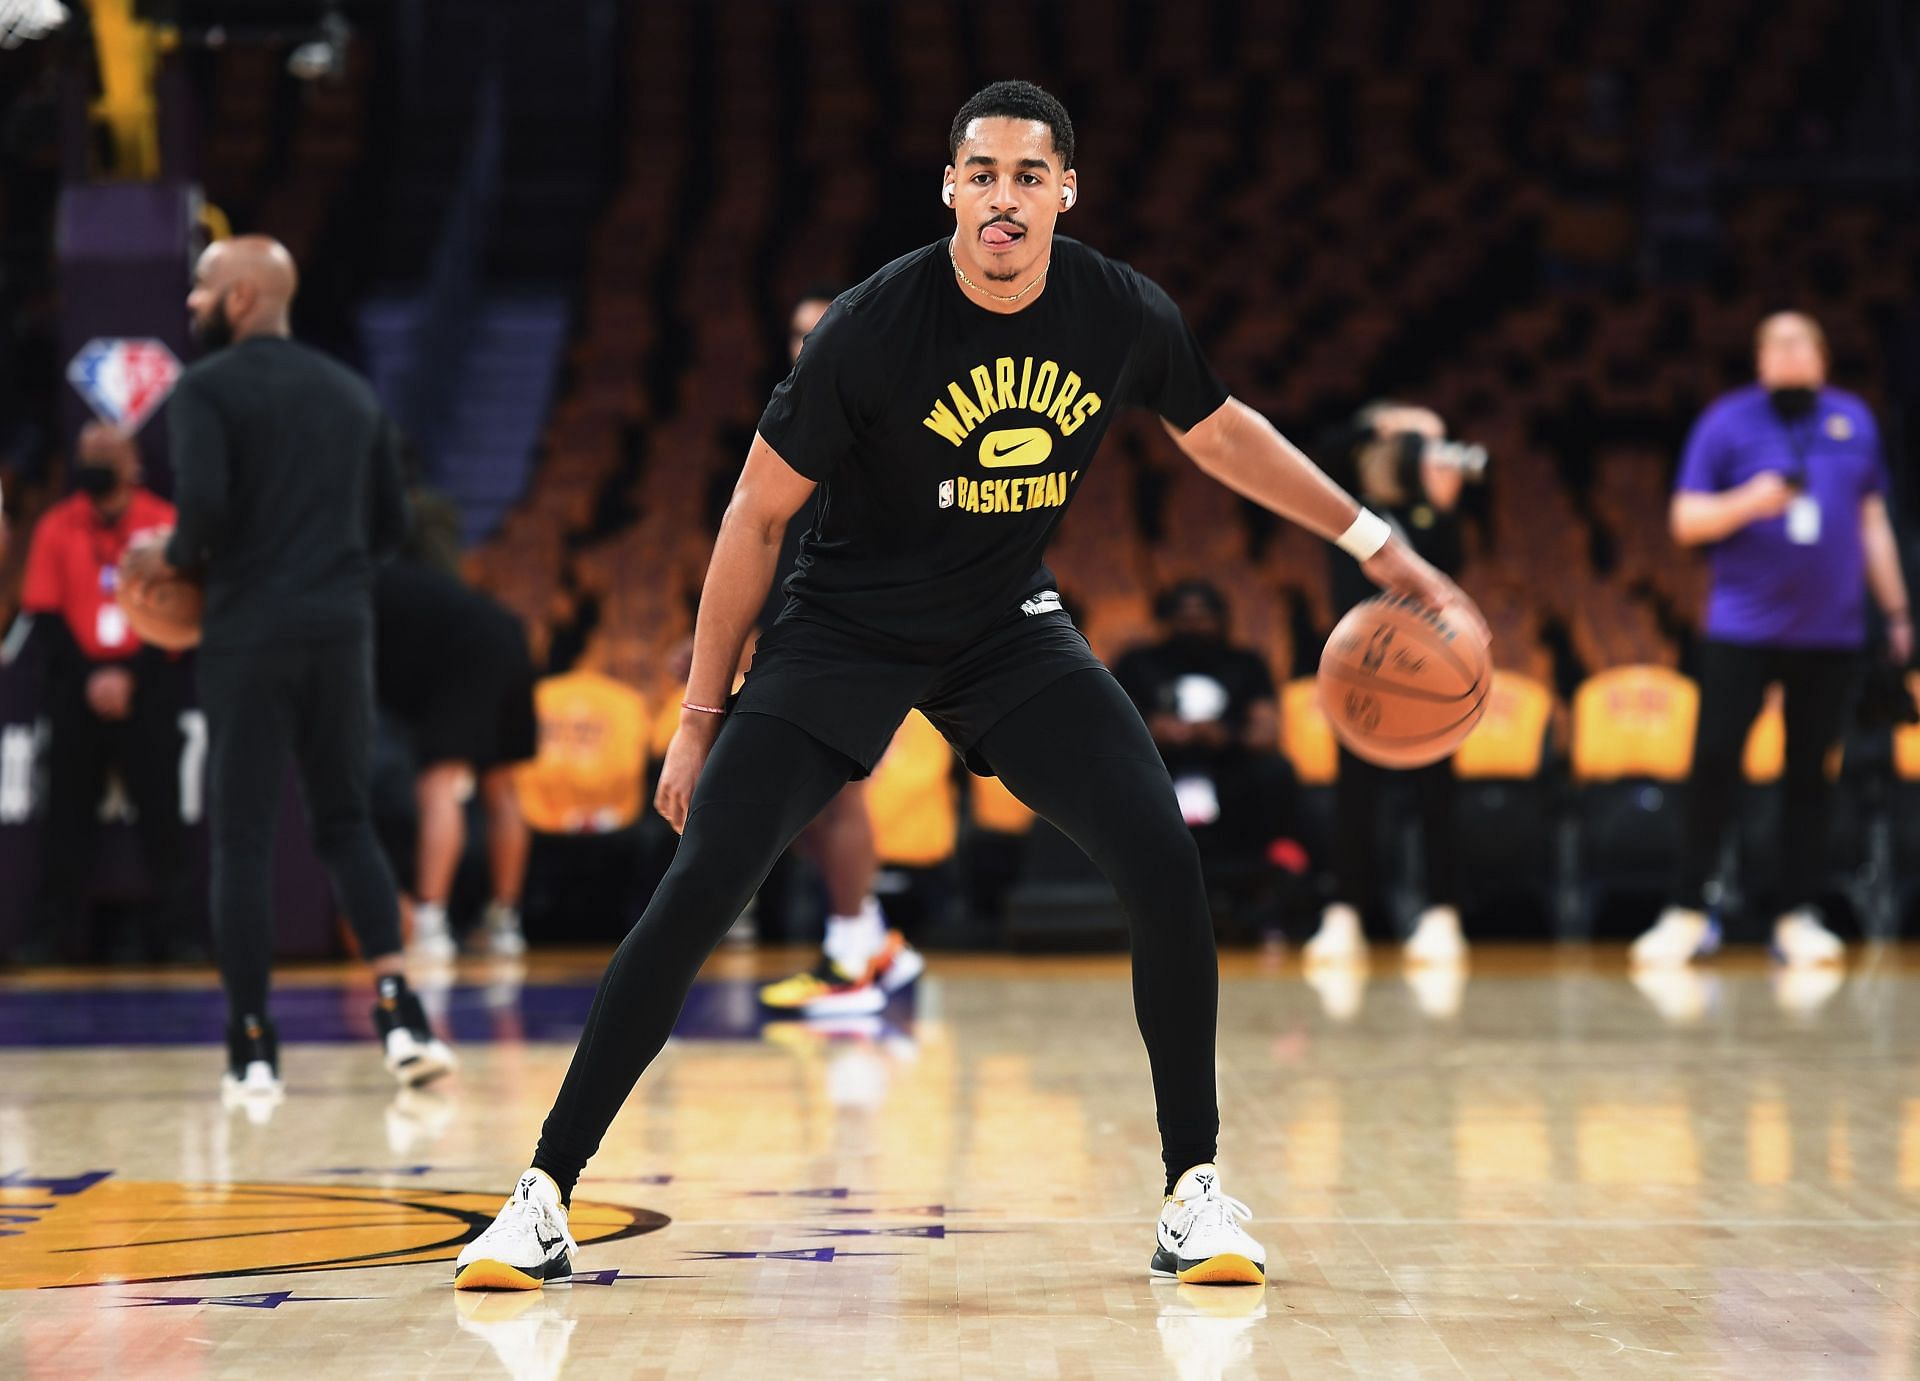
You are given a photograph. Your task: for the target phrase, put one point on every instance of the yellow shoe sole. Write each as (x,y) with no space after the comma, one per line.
(494,1275)
(1228,1268)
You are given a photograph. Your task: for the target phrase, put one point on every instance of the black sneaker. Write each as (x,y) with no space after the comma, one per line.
(253,1058)
(414,1055)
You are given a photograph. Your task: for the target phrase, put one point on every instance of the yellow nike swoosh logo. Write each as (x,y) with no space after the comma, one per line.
(1015,448)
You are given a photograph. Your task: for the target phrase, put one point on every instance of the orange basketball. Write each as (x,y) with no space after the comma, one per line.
(1402,684)
(162,613)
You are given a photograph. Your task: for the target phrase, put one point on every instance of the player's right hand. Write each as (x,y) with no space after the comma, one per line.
(1766,495)
(1399,570)
(680,770)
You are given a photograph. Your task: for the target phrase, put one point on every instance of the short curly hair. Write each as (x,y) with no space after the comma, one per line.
(1019,101)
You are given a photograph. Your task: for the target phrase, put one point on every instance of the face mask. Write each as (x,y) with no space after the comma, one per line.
(1792,404)
(96,481)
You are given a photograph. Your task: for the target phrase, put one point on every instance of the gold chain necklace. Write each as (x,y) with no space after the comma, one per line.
(997,297)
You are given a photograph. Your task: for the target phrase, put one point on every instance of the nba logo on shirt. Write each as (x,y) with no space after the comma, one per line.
(946,493)
(124,381)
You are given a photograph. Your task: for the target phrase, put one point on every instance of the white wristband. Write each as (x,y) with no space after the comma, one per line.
(1364,539)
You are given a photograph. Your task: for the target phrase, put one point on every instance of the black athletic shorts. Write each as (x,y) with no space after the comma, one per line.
(851,697)
(479,710)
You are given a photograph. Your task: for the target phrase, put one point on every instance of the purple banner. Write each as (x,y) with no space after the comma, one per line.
(126,261)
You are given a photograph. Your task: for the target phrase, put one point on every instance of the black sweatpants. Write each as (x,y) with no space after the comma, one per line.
(1819,685)
(316,701)
(1076,752)
(1357,796)
(145,746)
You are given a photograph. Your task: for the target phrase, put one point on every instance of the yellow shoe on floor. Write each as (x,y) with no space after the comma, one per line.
(825,990)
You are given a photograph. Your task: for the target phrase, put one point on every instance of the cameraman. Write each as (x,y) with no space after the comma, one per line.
(1396,459)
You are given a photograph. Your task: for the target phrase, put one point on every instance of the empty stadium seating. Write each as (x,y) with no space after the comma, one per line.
(1343,208)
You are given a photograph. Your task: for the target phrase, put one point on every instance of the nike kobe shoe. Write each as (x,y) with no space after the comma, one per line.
(1201,1241)
(527,1245)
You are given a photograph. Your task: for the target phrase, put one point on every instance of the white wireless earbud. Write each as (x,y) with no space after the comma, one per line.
(946,194)
(1067,195)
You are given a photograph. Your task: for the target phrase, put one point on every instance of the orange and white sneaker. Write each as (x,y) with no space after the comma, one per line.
(1200,1238)
(828,990)
(897,965)
(825,990)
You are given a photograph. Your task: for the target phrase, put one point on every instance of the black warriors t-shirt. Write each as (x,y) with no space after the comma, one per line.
(947,440)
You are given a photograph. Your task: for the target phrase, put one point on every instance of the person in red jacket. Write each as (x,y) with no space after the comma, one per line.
(111,701)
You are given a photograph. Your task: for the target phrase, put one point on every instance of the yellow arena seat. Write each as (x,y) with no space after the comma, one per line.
(1307,734)
(665,723)
(1634,722)
(1765,757)
(996,808)
(912,799)
(1511,738)
(590,773)
(1906,740)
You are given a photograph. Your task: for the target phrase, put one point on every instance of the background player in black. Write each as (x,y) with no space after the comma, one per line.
(861,966)
(945,410)
(452,671)
(288,486)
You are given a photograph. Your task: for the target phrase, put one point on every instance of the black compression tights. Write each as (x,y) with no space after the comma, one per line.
(1076,753)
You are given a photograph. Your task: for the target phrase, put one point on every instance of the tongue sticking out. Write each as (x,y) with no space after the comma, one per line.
(998,237)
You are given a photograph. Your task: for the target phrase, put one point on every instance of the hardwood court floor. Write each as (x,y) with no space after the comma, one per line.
(1566,1176)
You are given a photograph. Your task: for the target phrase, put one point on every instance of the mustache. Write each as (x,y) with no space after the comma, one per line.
(1007,221)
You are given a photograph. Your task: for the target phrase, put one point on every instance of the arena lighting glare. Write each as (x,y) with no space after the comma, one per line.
(21,20)
(324,56)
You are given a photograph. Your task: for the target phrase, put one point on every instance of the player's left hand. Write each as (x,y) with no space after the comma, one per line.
(145,560)
(1399,570)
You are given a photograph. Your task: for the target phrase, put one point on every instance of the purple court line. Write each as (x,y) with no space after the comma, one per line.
(159,1016)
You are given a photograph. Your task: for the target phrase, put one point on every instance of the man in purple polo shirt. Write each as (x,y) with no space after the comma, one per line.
(1784,484)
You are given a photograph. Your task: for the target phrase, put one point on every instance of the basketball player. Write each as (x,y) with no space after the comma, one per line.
(946,410)
(453,670)
(862,963)
(288,486)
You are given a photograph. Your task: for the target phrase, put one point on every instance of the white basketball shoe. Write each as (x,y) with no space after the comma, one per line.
(1801,940)
(1201,1241)
(1339,943)
(527,1245)
(1437,941)
(1680,936)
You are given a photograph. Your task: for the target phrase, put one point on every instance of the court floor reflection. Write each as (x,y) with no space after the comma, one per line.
(1540,1168)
